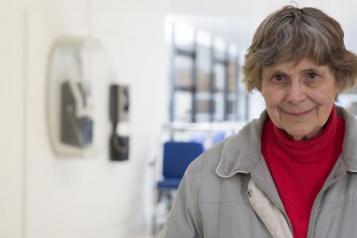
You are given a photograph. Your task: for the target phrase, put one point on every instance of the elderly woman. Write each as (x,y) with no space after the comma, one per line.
(293,171)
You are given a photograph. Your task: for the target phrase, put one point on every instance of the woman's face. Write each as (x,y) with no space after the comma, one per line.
(299,96)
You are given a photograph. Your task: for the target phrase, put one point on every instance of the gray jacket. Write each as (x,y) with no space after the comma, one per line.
(228,192)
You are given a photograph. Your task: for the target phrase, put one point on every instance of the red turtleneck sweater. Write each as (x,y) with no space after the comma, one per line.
(300,168)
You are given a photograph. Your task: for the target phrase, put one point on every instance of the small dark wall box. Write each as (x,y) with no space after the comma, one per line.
(119,140)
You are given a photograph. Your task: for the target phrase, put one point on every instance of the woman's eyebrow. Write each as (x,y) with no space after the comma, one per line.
(313,69)
(270,72)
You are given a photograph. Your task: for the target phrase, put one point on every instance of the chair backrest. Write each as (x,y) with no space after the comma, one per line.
(178,155)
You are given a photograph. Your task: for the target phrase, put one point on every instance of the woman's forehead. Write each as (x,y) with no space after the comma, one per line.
(295,65)
(292,64)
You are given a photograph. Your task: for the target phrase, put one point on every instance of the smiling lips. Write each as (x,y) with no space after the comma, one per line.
(302,113)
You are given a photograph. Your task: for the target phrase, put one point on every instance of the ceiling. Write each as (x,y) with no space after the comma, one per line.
(236,20)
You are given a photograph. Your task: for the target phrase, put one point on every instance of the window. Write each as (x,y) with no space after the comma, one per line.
(204,78)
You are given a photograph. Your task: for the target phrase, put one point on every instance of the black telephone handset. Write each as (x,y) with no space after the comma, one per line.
(119,113)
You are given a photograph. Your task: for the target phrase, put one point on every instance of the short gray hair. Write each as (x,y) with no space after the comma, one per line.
(291,34)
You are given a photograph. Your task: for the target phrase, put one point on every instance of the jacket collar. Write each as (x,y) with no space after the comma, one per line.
(242,152)
(349,151)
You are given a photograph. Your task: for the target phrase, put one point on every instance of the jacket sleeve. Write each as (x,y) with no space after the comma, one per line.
(184,219)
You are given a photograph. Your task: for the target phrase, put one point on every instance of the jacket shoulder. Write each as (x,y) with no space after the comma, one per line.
(209,159)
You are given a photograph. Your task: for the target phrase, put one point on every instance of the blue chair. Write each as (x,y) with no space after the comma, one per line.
(176,158)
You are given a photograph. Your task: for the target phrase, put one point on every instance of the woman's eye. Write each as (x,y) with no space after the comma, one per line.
(312,75)
(279,78)
(312,79)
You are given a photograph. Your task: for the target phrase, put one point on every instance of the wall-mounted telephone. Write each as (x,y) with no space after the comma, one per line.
(119,117)
(76,114)
(70,103)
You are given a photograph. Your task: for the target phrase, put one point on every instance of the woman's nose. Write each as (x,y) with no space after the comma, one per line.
(296,93)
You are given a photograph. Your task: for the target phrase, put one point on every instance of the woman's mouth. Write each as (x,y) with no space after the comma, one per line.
(297,113)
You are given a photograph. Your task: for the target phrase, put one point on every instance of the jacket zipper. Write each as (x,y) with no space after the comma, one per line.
(313,214)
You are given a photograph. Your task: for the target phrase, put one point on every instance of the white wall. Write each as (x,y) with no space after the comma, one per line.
(11,118)
(43,196)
